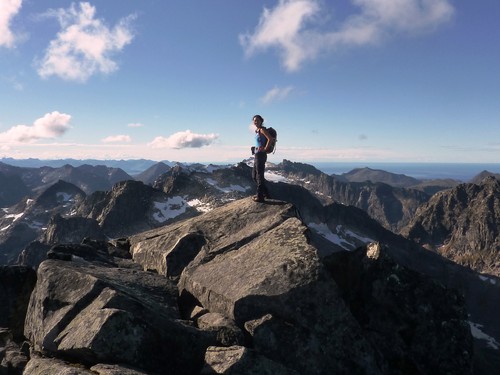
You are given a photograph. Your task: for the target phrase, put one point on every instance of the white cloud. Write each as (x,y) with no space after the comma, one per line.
(281,27)
(135,125)
(117,139)
(51,125)
(8,9)
(276,93)
(85,44)
(185,139)
(293,26)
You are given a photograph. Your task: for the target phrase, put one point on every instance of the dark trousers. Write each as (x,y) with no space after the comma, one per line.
(259,166)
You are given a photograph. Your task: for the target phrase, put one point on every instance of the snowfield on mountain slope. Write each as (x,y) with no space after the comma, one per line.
(228,189)
(170,209)
(342,237)
(175,206)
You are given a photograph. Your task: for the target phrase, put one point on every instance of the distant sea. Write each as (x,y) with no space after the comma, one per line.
(424,171)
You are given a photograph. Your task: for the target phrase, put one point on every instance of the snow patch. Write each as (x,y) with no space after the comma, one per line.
(350,233)
(65,197)
(488,279)
(211,168)
(14,216)
(35,225)
(480,335)
(227,189)
(275,177)
(343,237)
(323,230)
(199,205)
(170,209)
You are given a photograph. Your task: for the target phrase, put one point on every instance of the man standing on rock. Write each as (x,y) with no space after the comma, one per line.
(262,143)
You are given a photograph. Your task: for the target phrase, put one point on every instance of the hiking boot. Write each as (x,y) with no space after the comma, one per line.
(258,199)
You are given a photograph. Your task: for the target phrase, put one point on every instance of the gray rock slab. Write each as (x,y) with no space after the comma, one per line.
(241,360)
(107,369)
(51,366)
(280,274)
(169,249)
(96,314)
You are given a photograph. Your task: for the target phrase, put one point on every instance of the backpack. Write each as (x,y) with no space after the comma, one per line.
(274,138)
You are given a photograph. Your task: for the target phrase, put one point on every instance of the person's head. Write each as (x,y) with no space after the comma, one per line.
(258,121)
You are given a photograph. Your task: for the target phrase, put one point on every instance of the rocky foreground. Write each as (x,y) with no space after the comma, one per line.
(239,290)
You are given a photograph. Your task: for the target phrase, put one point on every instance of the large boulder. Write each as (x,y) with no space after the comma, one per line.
(13,358)
(39,365)
(90,313)
(236,360)
(167,250)
(278,276)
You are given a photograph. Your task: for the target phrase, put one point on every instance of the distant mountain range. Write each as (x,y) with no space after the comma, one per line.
(122,204)
(443,229)
(129,166)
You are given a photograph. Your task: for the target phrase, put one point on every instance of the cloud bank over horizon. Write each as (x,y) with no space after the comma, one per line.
(121,138)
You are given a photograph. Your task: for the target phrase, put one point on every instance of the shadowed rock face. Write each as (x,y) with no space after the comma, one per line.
(241,289)
(463,224)
(12,190)
(403,314)
(16,285)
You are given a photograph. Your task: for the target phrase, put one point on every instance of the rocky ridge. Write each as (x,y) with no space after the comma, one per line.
(242,289)
(185,191)
(462,224)
(130,207)
(86,177)
(391,206)
(25,221)
(429,187)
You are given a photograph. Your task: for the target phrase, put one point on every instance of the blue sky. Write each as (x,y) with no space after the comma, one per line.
(348,80)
